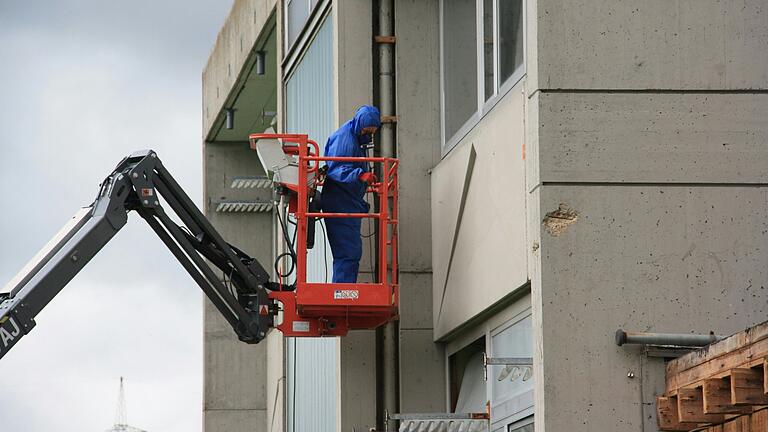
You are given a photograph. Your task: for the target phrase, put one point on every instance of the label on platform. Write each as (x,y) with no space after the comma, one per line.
(301,326)
(346,295)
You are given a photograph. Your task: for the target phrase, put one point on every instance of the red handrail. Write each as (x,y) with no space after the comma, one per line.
(310,303)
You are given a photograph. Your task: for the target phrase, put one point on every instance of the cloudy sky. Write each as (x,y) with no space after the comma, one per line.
(83,83)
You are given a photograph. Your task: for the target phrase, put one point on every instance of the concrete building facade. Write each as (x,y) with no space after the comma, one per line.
(568,169)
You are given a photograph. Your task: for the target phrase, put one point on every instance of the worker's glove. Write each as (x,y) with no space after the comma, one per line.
(368,177)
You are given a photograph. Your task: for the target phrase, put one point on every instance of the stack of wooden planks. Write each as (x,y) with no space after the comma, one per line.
(720,388)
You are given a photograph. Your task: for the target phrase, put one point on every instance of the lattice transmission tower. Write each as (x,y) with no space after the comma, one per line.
(121,414)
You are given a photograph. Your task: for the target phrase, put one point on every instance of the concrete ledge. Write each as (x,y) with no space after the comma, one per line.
(233,45)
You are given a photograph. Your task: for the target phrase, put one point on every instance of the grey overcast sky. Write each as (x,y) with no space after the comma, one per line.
(83,83)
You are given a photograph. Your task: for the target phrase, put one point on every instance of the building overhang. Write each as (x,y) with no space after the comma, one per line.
(240,79)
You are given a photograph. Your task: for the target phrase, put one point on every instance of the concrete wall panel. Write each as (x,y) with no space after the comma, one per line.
(240,420)
(357,379)
(235,377)
(422,372)
(418,128)
(672,259)
(415,301)
(234,373)
(478,216)
(671,137)
(657,44)
(353,65)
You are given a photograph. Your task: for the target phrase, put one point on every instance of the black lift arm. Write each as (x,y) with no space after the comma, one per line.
(135,185)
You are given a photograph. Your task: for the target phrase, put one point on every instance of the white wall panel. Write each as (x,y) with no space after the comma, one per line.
(478,217)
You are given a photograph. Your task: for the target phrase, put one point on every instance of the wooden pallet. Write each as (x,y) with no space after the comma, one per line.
(719,388)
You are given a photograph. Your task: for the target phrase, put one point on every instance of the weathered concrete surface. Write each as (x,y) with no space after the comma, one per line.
(234,373)
(357,380)
(653,256)
(656,44)
(416,311)
(353,58)
(417,63)
(233,45)
(478,207)
(670,137)
(422,372)
(649,258)
(239,420)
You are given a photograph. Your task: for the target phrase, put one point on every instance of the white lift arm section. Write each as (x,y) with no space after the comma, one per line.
(136,184)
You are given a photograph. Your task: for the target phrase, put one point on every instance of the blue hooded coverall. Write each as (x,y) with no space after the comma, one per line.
(343,192)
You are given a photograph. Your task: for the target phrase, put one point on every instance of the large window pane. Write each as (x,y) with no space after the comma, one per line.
(526,428)
(459,63)
(515,341)
(488,47)
(510,37)
(297,12)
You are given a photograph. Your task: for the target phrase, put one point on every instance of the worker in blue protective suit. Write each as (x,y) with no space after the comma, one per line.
(344,191)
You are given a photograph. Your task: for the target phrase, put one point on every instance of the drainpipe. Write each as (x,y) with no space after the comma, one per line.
(666,339)
(389,340)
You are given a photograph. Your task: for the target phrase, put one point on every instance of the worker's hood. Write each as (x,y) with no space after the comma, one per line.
(366,116)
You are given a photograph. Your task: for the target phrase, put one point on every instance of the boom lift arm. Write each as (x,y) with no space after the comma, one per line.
(135,185)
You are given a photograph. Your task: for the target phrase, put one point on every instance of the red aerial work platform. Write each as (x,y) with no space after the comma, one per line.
(332,309)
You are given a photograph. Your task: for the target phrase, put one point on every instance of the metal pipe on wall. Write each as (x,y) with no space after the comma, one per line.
(389,340)
(667,339)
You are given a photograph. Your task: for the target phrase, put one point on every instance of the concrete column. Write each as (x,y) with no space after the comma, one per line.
(648,199)
(234,373)
(417,53)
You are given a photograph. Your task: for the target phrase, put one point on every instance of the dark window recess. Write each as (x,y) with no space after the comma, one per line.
(488,40)
(510,37)
(459,63)
(465,383)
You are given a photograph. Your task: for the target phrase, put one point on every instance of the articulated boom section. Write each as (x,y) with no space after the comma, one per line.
(136,184)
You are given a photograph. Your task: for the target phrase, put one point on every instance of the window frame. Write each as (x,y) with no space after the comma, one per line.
(509,316)
(528,411)
(520,423)
(292,52)
(500,88)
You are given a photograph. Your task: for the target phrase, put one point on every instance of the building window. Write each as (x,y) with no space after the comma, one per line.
(459,63)
(297,14)
(488,49)
(511,386)
(522,426)
(482,57)
(510,18)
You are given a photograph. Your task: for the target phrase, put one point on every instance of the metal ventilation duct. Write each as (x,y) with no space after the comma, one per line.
(251,182)
(243,207)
